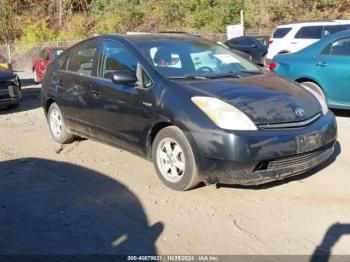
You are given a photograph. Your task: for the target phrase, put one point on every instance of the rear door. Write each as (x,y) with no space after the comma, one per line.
(74,87)
(334,71)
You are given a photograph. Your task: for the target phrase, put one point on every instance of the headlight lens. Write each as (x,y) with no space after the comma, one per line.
(223,114)
(320,99)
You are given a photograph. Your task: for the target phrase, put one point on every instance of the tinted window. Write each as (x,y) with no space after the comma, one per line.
(56,52)
(340,47)
(331,29)
(309,32)
(82,59)
(43,54)
(244,41)
(281,32)
(61,61)
(114,58)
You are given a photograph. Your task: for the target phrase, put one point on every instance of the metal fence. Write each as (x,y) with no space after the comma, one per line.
(21,55)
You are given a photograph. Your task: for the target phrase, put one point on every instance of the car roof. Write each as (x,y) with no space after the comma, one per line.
(313,22)
(135,37)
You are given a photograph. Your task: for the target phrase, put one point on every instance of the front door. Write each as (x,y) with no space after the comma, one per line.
(118,108)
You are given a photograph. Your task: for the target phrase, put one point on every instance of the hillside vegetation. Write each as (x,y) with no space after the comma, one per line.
(29,21)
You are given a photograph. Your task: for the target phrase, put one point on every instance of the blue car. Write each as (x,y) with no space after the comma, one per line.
(323,67)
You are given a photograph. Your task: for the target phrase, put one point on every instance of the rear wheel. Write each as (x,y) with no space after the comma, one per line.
(314,87)
(173,159)
(58,128)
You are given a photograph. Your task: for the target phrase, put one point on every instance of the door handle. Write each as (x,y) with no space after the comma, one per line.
(293,43)
(322,64)
(59,82)
(95,93)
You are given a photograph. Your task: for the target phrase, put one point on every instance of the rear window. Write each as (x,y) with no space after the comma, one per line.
(281,32)
(309,32)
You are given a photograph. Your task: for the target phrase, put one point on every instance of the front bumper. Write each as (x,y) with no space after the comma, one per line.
(10,95)
(251,158)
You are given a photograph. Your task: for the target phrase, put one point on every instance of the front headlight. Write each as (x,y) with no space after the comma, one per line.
(223,114)
(320,99)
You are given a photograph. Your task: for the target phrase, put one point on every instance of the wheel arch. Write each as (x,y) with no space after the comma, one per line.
(310,79)
(48,103)
(152,133)
(155,129)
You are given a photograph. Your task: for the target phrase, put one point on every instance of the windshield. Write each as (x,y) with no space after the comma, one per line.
(178,58)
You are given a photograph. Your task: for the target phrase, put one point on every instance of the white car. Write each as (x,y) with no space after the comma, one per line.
(292,37)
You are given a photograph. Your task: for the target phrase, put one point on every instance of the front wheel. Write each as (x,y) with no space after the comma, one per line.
(174,160)
(58,128)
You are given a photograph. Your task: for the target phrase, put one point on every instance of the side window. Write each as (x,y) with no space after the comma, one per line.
(331,29)
(62,61)
(281,32)
(114,58)
(309,32)
(340,47)
(82,59)
(43,54)
(234,41)
(249,42)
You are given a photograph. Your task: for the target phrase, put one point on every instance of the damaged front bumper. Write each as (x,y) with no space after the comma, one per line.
(252,158)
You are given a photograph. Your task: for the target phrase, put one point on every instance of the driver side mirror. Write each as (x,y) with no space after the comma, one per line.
(254,46)
(124,77)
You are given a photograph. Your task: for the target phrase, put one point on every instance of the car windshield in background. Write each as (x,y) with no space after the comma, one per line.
(194,59)
(57,52)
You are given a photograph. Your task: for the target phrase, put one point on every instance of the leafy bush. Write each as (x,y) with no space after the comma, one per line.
(38,32)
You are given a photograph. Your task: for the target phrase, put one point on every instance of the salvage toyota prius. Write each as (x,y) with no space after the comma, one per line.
(198,111)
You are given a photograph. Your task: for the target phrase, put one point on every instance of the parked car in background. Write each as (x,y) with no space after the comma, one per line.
(292,37)
(250,45)
(41,61)
(323,66)
(10,89)
(196,109)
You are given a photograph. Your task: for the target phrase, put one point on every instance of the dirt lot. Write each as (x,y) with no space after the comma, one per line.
(90,198)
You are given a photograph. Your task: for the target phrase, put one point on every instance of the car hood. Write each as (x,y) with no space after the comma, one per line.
(266,99)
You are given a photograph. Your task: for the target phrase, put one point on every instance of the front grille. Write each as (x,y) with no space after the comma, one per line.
(4,94)
(292,160)
(291,124)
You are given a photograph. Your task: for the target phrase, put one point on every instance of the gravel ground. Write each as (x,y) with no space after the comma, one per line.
(90,198)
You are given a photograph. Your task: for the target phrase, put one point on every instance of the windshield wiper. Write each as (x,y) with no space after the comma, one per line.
(229,75)
(189,77)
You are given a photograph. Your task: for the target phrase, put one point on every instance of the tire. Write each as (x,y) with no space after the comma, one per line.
(35,77)
(177,168)
(57,126)
(13,106)
(314,87)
